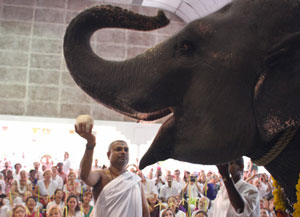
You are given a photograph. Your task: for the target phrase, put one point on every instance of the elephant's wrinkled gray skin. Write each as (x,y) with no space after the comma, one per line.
(231,81)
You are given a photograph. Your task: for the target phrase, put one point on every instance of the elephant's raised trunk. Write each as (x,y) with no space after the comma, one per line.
(114,84)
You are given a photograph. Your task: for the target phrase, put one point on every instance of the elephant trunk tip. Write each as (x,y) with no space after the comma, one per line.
(146,161)
(163,18)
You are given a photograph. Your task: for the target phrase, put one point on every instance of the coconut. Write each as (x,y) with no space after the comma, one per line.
(87,120)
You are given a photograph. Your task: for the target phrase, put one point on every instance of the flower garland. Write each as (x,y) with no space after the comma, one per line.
(20,190)
(279,198)
(296,206)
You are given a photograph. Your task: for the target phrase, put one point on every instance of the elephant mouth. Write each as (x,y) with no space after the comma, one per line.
(152,116)
(163,145)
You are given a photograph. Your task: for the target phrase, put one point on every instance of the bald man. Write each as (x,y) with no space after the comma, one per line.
(117,192)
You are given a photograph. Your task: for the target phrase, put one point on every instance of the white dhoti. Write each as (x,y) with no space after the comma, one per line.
(120,198)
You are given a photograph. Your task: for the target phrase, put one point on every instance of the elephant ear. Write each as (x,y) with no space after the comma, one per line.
(277,93)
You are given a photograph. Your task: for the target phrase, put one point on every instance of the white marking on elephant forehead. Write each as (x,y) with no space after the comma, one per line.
(259,84)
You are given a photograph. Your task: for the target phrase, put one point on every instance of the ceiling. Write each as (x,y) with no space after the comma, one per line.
(187,10)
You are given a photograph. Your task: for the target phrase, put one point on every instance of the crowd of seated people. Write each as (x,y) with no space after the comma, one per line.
(48,191)
(56,192)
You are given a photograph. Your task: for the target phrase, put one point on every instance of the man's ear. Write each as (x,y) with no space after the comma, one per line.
(108,154)
(277,101)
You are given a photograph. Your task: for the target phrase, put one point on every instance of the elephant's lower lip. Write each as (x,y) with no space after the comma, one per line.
(154,115)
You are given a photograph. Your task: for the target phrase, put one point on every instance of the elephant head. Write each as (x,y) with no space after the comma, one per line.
(229,81)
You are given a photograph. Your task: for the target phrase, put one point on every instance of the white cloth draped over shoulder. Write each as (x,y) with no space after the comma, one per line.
(121,197)
(221,206)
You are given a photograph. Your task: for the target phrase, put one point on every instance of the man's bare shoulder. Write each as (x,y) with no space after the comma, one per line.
(104,180)
(104,175)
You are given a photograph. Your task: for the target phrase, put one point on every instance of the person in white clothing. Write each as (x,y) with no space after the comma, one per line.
(16,174)
(203,204)
(20,186)
(4,209)
(58,200)
(236,197)
(57,178)
(168,189)
(117,192)
(38,173)
(149,186)
(192,189)
(2,183)
(158,179)
(177,180)
(67,163)
(45,188)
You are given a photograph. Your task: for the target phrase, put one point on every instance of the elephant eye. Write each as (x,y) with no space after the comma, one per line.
(186,46)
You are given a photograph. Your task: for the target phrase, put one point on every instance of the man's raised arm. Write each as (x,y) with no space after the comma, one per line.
(86,174)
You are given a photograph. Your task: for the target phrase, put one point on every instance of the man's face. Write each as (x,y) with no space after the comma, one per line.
(23,175)
(169,179)
(54,171)
(6,165)
(209,173)
(234,169)
(9,173)
(119,153)
(177,173)
(158,172)
(36,165)
(192,179)
(257,183)
(150,175)
(59,167)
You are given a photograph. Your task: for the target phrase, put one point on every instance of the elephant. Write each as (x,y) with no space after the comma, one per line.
(228,82)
